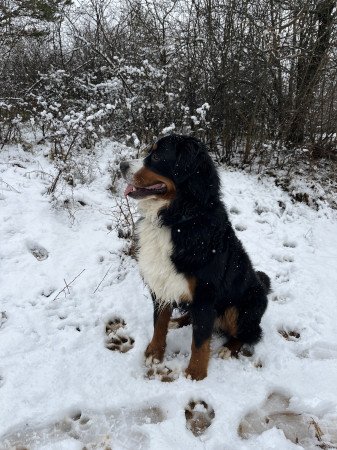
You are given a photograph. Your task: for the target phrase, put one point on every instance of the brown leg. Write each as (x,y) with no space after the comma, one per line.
(156,348)
(181,321)
(197,368)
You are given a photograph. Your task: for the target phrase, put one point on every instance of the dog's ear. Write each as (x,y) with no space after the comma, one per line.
(189,156)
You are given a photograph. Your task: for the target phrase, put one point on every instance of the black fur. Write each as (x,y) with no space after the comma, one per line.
(205,246)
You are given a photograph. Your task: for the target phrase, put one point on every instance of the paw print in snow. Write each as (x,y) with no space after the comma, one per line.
(162,373)
(199,416)
(117,339)
(39,252)
(289,335)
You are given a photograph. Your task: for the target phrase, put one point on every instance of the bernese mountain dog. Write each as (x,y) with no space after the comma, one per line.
(189,254)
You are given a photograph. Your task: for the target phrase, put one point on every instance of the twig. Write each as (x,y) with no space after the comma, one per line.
(67,285)
(11,188)
(319,434)
(52,188)
(131,216)
(42,173)
(99,52)
(102,279)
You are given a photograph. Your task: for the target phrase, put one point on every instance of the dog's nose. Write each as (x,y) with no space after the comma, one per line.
(124,166)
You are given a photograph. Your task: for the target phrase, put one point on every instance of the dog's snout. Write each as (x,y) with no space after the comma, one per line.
(124,166)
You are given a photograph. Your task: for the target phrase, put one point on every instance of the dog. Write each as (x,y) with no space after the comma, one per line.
(188,253)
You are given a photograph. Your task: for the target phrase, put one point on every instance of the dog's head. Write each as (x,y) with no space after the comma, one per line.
(171,161)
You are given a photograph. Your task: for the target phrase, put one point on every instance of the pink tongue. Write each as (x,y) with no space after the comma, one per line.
(129,188)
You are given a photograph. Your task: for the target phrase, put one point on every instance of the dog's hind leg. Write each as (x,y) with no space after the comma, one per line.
(250,315)
(156,348)
(242,323)
(228,323)
(265,280)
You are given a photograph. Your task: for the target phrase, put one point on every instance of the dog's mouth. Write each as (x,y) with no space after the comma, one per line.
(145,191)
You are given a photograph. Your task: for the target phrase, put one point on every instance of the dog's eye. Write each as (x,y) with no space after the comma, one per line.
(155,157)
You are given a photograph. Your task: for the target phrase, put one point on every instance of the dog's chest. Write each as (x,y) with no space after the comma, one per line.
(157,269)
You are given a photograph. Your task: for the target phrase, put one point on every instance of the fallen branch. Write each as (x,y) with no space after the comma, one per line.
(102,279)
(11,188)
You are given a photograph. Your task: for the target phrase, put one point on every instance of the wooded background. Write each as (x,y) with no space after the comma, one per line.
(256,80)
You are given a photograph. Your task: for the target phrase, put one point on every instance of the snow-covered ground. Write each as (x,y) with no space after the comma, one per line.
(62,388)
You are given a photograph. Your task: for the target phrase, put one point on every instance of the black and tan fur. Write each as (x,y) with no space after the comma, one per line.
(189,252)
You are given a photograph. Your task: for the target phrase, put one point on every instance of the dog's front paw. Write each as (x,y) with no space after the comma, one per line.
(153,354)
(195,373)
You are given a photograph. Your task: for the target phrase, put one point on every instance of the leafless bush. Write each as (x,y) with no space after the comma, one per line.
(254,79)
(123,222)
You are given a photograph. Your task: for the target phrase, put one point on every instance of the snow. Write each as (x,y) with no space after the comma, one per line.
(61,388)
(168,129)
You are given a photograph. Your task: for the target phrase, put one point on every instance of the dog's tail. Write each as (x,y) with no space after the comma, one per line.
(265,281)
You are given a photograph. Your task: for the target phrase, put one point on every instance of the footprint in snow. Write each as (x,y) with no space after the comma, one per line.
(259,209)
(289,335)
(302,429)
(289,244)
(39,252)
(281,298)
(91,429)
(283,258)
(117,339)
(199,416)
(234,210)
(320,351)
(162,373)
(46,292)
(240,227)
(68,325)
(282,277)
(3,318)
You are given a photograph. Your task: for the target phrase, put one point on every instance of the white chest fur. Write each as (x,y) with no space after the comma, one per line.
(156,267)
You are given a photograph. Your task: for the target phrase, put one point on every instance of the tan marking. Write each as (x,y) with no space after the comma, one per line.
(192,284)
(154,146)
(145,178)
(228,322)
(156,347)
(197,368)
